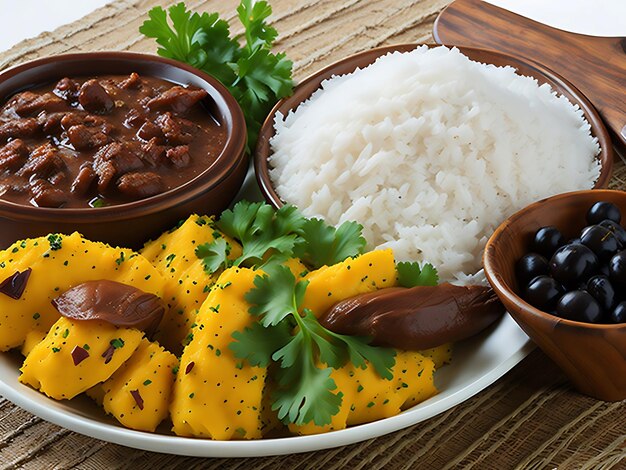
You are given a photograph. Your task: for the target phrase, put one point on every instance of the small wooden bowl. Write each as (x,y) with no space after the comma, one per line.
(593,356)
(133,223)
(524,67)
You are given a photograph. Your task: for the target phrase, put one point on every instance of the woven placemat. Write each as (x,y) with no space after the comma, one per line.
(531,418)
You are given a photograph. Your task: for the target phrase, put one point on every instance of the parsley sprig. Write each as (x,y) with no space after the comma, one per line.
(293,339)
(255,76)
(279,234)
(412,274)
(259,228)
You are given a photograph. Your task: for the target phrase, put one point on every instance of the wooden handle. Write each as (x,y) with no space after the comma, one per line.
(595,65)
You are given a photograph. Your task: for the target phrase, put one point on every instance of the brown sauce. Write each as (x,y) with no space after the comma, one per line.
(104,141)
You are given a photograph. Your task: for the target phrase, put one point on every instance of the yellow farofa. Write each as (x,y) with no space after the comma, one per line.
(146,378)
(217,395)
(51,369)
(187,283)
(74,261)
(214,394)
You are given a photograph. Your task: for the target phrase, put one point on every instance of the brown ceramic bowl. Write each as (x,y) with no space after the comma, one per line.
(306,88)
(133,223)
(592,355)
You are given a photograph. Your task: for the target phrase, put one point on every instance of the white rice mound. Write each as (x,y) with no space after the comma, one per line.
(430,152)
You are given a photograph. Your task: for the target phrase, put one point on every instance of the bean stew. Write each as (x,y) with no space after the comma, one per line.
(94,142)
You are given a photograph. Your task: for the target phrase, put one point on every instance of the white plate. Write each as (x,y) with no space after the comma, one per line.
(477,363)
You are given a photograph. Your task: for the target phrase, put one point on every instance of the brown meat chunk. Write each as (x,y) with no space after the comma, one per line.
(140,185)
(177,131)
(179,156)
(44,195)
(72,119)
(178,99)
(50,122)
(56,178)
(28,103)
(83,180)
(83,137)
(133,81)
(86,131)
(112,160)
(43,162)
(67,89)
(106,172)
(153,152)
(134,118)
(93,97)
(149,131)
(13,155)
(18,128)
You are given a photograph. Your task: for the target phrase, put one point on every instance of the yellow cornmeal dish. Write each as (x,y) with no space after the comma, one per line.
(188,374)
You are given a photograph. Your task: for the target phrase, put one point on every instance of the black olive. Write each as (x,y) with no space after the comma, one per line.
(618,315)
(617,229)
(617,268)
(601,211)
(601,241)
(530,266)
(579,305)
(573,264)
(547,240)
(601,289)
(543,292)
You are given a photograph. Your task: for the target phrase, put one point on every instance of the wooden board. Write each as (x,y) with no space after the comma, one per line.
(595,65)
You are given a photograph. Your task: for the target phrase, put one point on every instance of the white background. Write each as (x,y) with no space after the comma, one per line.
(21,19)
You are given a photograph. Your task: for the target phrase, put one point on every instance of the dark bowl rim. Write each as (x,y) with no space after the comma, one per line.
(502,289)
(262,150)
(227,161)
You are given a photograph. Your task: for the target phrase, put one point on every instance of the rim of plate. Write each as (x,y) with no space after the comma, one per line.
(195,447)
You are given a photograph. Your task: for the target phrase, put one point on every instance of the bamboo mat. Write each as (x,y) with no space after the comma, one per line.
(530,419)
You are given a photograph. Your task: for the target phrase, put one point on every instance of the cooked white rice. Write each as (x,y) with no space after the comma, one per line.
(430,152)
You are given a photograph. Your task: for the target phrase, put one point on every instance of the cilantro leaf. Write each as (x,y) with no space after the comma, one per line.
(202,41)
(254,75)
(412,275)
(304,393)
(276,295)
(325,245)
(214,255)
(301,347)
(256,344)
(252,16)
(261,230)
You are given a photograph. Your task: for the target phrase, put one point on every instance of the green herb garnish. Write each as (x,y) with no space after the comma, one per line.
(55,241)
(300,345)
(412,275)
(327,245)
(254,75)
(259,228)
(117,343)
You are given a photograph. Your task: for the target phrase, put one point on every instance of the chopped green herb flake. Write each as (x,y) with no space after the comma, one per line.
(147,382)
(169,259)
(55,241)
(66,333)
(117,343)
(120,260)
(36,316)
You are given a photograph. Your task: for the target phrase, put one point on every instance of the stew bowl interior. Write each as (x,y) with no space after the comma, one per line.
(132,223)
